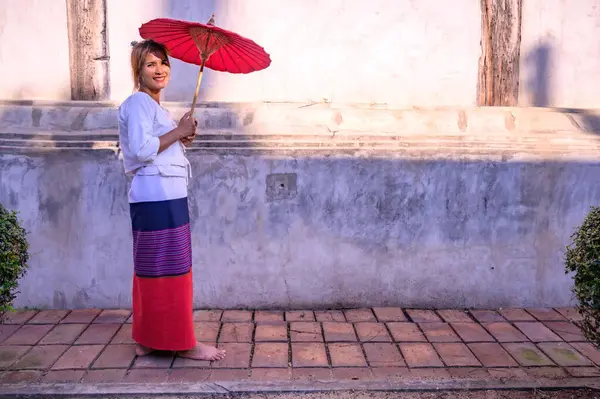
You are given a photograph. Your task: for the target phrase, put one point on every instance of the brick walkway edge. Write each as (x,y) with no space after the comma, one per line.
(380,344)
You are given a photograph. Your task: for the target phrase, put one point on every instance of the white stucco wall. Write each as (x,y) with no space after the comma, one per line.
(389,52)
(409,53)
(34,50)
(560,54)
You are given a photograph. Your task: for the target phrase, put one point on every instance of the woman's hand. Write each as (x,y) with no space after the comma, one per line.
(187,125)
(187,141)
(184,132)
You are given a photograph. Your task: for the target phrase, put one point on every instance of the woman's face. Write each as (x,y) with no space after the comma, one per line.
(155,73)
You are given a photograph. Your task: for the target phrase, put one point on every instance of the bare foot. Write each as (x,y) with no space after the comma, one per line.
(142,350)
(203,352)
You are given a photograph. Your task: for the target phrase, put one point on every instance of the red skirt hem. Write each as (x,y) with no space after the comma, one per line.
(163,314)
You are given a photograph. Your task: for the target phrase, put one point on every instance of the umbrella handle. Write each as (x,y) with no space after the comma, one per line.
(197,87)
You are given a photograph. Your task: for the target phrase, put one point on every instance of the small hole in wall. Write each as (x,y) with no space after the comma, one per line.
(281,186)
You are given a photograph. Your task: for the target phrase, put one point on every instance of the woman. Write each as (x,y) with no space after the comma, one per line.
(152,145)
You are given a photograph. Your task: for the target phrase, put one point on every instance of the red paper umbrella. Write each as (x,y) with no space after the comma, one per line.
(206,45)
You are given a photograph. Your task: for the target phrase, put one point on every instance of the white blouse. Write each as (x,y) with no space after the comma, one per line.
(157,177)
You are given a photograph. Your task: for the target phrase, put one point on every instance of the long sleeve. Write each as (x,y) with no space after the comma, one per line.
(140,118)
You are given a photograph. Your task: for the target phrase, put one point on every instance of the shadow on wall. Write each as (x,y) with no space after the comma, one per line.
(592,122)
(183,84)
(539,86)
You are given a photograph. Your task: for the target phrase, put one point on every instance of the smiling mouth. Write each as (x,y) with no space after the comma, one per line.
(159,78)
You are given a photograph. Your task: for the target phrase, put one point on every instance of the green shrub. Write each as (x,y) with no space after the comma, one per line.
(583,258)
(13,258)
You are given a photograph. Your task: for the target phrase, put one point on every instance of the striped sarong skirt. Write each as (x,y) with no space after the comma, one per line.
(162,284)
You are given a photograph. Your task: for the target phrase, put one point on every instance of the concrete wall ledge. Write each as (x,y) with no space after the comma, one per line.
(91,116)
(321,129)
(524,147)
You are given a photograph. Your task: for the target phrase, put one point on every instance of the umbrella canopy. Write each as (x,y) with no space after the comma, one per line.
(206,45)
(220,49)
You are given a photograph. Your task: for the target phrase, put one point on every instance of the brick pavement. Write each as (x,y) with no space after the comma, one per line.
(91,346)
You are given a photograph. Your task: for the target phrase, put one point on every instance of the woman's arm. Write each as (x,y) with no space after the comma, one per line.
(166,140)
(142,143)
(139,116)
